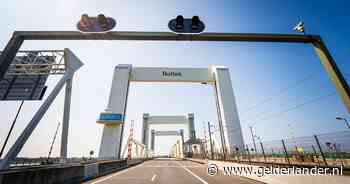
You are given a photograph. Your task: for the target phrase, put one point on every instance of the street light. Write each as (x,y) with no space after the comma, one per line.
(346,121)
(258,137)
(91,153)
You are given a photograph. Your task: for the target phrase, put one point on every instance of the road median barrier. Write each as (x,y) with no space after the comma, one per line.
(67,174)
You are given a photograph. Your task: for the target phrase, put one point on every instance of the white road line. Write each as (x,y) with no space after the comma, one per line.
(154,177)
(200,179)
(115,174)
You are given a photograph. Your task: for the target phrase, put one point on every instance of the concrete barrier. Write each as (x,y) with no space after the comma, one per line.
(134,162)
(91,171)
(63,174)
(111,166)
(200,161)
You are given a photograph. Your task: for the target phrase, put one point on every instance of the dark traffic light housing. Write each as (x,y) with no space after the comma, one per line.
(186,26)
(102,21)
(99,24)
(195,22)
(179,22)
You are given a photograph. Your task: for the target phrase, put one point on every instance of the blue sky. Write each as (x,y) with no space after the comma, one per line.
(258,70)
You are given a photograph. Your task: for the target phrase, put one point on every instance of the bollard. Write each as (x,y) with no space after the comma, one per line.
(247,148)
(338,155)
(315,152)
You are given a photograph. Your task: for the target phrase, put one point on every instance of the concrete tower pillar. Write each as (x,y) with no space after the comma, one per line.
(153,135)
(114,116)
(227,110)
(145,127)
(192,132)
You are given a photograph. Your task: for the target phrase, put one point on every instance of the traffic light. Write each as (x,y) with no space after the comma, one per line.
(179,22)
(195,22)
(99,24)
(182,25)
(102,21)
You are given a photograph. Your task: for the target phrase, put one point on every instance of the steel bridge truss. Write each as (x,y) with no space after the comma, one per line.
(39,62)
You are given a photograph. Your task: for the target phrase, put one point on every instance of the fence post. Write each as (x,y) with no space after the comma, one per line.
(285,151)
(247,148)
(263,151)
(239,154)
(319,147)
(313,148)
(337,154)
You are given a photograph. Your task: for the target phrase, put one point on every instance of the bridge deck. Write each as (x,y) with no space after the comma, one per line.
(169,172)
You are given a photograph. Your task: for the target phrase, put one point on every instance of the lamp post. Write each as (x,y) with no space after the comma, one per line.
(211,142)
(345,120)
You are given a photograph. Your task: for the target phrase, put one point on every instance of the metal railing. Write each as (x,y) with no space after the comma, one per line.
(331,149)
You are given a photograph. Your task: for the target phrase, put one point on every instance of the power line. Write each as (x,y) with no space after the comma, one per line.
(347,74)
(281,92)
(296,107)
(10,131)
(268,111)
(53,141)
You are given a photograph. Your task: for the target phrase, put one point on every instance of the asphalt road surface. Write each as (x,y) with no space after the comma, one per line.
(169,172)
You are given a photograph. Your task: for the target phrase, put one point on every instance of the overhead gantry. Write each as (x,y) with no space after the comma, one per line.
(18,37)
(342,87)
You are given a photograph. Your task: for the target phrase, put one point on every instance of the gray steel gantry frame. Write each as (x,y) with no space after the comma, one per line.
(326,59)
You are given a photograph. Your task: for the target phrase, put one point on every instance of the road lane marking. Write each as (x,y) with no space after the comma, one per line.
(115,174)
(200,179)
(154,177)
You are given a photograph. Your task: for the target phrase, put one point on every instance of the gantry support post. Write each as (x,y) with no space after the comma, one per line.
(333,71)
(73,65)
(65,125)
(9,53)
